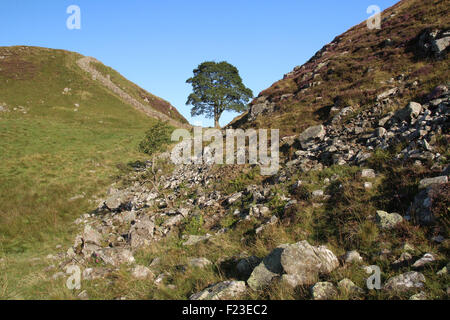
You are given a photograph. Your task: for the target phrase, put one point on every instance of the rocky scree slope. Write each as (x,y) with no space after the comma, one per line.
(161,200)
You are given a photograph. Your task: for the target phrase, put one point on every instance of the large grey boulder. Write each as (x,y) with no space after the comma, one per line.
(221,291)
(425,183)
(303,262)
(268,269)
(405,282)
(388,220)
(246,266)
(298,264)
(410,112)
(434,43)
(311,135)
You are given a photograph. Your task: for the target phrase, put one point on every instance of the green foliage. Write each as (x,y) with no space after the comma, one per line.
(156,138)
(194,226)
(217,87)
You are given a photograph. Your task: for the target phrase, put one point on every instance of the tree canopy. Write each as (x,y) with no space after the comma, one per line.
(217,87)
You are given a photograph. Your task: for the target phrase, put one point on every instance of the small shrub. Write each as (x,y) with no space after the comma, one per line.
(194,226)
(156,138)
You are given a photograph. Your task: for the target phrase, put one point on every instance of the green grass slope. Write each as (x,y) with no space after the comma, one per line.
(62,136)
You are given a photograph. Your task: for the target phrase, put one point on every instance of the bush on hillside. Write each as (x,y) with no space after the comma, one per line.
(156,138)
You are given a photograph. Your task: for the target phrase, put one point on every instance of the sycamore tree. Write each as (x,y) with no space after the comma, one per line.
(217,87)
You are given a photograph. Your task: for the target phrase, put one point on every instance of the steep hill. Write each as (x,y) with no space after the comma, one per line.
(407,55)
(63,131)
(32,75)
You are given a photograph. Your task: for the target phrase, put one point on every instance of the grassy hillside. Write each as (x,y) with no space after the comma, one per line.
(356,67)
(63,138)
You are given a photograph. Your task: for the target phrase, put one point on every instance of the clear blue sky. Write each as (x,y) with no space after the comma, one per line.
(157,43)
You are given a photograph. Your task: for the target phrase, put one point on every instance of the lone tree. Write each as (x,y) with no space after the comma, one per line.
(217,87)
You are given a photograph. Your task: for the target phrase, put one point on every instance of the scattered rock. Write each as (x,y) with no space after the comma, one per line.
(426,259)
(388,220)
(352,257)
(194,239)
(323,291)
(199,262)
(269,268)
(368,173)
(311,135)
(221,291)
(348,287)
(405,282)
(116,256)
(303,262)
(425,183)
(419,296)
(246,266)
(142,272)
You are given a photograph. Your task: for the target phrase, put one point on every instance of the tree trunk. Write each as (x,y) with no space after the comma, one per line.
(216,122)
(217,115)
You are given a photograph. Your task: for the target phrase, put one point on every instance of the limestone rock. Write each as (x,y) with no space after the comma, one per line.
(142,272)
(306,262)
(388,220)
(315,133)
(269,268)
(199,262)
(221,291)
(323,291)
(405,282)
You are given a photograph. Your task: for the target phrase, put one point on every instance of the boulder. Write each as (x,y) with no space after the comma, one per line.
(246,266)
(352,257)
(410,112)
(260,106)
(194,239)
(116,256)
(311,135)
(426,259)
(142,272)
(141,233)
(368,173)
(268,269)
(304,263)
(95,273)
(199,262)
(118,200)
(405,282)
(221,291)
(347,286)
(388,220)
(92,236)
(323,291)
(425,183)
